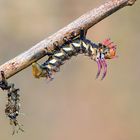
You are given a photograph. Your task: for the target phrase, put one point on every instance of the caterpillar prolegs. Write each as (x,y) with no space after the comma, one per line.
(78,45)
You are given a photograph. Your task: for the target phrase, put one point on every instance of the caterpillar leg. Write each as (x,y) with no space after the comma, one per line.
(66,40)
(73,34)
(57,46)
(50,76)
(83,33)
(50,53)
(47,52)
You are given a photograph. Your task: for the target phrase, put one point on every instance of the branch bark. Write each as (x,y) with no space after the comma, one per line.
(86,21)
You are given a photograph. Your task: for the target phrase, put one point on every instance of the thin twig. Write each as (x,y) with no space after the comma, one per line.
(86,21)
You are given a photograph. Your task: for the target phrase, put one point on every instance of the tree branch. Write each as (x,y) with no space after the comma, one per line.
(86,21)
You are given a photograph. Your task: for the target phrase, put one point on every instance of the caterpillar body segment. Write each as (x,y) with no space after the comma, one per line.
(78,45)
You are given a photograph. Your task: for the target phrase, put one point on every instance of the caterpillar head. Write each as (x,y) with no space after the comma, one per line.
(109,49)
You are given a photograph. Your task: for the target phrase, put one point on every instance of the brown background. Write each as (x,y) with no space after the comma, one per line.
(74,106)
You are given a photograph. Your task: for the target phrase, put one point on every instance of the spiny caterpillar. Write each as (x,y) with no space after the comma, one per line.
(78,45)
(13,105)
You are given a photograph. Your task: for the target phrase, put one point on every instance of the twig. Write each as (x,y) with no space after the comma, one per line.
(86,21)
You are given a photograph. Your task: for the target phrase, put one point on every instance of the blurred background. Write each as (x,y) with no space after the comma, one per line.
(74,106)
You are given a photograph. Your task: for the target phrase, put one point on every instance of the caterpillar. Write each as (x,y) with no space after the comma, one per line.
(78,45)
(13,107)
(13,104)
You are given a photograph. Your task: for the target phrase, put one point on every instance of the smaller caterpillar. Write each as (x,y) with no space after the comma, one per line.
(78,45)
(13,105)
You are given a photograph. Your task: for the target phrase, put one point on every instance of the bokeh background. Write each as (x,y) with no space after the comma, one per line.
(74,106)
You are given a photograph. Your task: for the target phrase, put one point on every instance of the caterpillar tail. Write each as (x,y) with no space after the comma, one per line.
(37,70)
(40,71)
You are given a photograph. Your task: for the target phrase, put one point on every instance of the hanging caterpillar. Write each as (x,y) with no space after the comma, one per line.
(13,104)
(78,45)
(12,108)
